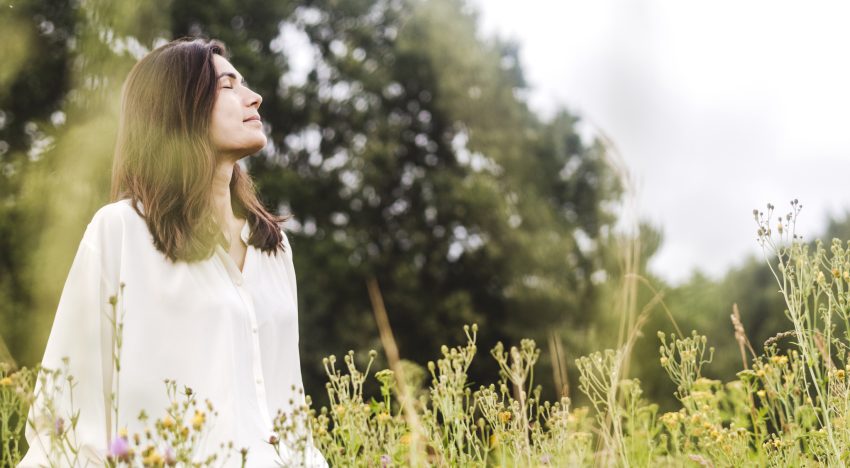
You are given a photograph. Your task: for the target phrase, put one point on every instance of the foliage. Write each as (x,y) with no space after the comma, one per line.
(399,138)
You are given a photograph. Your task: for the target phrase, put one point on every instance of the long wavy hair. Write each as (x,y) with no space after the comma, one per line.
(165,160)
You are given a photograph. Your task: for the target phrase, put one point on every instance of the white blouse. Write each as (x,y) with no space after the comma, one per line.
(230,335)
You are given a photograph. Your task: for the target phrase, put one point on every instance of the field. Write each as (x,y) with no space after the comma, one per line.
(787,407)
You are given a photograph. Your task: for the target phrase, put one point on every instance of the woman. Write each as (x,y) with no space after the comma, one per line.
(208,294)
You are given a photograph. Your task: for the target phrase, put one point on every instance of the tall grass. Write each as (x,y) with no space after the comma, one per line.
(788,406)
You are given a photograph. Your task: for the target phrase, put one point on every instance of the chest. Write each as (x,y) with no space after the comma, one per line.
(238,248)
(238,251)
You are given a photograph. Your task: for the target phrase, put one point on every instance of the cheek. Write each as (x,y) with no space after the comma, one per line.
(223,122)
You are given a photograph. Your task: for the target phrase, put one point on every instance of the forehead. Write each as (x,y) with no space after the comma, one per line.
(222,65)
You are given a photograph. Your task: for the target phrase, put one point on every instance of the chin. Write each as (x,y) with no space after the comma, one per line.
(257,146)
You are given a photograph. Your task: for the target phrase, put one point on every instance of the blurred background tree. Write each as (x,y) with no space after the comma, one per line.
(400,140)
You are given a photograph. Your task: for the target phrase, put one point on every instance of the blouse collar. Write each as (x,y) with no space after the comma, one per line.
(245,234)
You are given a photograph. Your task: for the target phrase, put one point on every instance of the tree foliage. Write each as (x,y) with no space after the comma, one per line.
(400,140)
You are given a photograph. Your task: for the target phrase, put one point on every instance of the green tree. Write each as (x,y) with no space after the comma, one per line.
(404,148)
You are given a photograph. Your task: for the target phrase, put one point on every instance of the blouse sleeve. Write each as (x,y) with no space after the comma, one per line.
(313,457)
(82,333)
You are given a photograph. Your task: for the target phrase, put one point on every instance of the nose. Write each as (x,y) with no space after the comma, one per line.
(254,99)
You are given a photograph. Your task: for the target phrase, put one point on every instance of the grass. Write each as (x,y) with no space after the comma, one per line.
(788,406)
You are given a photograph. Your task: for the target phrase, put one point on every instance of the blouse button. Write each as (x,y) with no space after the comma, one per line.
(239,281)
(259,381)
(254,330)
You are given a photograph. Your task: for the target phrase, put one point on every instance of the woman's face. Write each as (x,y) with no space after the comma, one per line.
(236,129)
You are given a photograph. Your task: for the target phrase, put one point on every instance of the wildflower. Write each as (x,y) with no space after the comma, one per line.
(198,420)
(170,457)
(340,410)
(168,423)
(6,382)
(781,360)
(405,439)
(664,360)
(384,417)
(120,448)
(839,374)
(384,376)
(670,419)
(385,460)
(494,440)
(545,459)
(59,426)
(153,459)
(760,393)
(122,432)
(273,439)
(504,416)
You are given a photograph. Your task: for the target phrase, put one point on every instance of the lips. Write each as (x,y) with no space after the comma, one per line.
(255,117)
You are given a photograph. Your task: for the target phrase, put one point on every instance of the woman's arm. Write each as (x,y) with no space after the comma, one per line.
(81,341)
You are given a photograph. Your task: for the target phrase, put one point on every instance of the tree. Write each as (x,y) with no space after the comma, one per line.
(404,148)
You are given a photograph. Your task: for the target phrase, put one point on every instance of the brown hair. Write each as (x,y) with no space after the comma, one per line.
(164,158)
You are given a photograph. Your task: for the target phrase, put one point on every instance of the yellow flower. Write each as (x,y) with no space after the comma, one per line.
(5,382)
(781,360)
(760,393)
(383,417)
(168,423)
(671,419)
(198,420)
(494,440)
(340,410)
(504,416)
(122,432)
(405,439)
(153,459)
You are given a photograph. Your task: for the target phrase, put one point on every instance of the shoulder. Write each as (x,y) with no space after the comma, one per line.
(285,238)
(287,247)
(110,222)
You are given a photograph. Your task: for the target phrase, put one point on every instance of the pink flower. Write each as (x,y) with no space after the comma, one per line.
(170,458)
(120,449)
(59,426)
(386,460)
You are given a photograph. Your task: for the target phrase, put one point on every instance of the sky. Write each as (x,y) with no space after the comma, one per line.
(715,107)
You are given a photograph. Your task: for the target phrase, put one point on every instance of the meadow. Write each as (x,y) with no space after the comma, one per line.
(788,405)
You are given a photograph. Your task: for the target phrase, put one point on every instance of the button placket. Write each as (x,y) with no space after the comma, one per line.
(257,362)
(238,281)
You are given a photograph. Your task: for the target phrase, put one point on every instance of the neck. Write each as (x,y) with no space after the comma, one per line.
(221,193)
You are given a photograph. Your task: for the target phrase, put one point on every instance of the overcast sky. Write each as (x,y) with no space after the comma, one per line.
(717,107)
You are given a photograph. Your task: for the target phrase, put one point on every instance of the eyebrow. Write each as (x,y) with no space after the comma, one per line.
(229,74)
